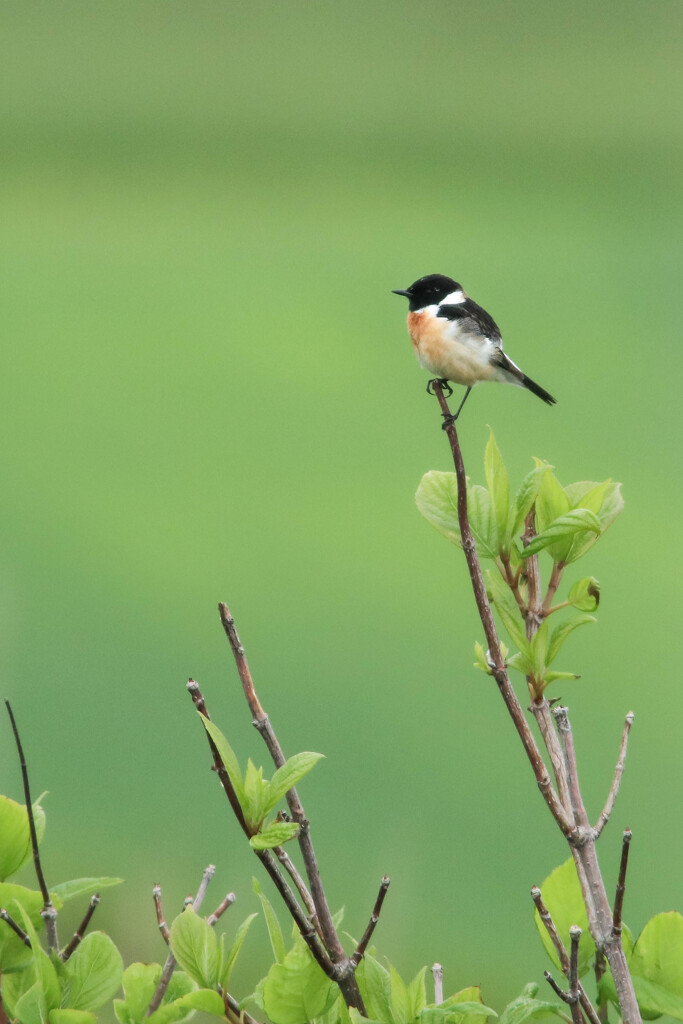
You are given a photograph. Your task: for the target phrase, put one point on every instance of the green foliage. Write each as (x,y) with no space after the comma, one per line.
(14,829)
(564,522)
(561,892)
(139,985)
(258,796)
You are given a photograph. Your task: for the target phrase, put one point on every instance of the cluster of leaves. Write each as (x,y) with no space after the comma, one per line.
(37,987)
(655,958)
(563,523)
(258,796)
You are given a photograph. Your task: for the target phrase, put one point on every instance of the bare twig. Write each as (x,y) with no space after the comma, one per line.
(332,942)
(574,825)
(293,872)
(221,908)
(553,584)
(77,936)
(563,956)
(159,908)
(437,974)
(171,962)
(618,772)
(4,916)
(359,953)
(621,884)
(48,913)
(573,994)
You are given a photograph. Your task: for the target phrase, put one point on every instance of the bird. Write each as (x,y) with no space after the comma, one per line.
(457,340)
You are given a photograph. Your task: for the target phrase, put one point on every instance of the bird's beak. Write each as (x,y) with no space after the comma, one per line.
(400,291)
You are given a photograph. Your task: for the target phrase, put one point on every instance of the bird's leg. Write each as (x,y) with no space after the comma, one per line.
(444,384)
(447,420)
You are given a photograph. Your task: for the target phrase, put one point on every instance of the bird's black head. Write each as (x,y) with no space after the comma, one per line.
(429,290)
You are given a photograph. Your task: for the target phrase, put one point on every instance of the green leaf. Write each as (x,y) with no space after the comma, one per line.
(527,1007)
(454,1013)
(228,758)
(296,990)
(539,651)
(195,947)
(499,491)
(373,981)
(604,499)
(42,967)
(13,953)
(551,677)
(59,1016)
(561,893)
(82,887)
(417,995)
(482,521)
(139,984)
(560,634)
(526,496)
(274,835)
(480,659)
(551,501)
(585,594)
(204,999)
(272,924)
(290,774)
(437,500)
(30,1009)
(507,608)
(657,961)
(234,950)
(557,535)
(92,974)
(15,848)
(256,790)
(400,1004)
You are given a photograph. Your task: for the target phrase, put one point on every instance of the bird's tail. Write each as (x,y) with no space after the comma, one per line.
(532,386)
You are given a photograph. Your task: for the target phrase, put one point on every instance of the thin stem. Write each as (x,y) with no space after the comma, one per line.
(48,913)
(621,884)
(239,1016)
(546,918)
(293,872)
(77,937)
(437,974)
(159,908)
(575,936)
(221,908)
(261,721)
(4,916)
(557,607)
(534,615)
(359,953)
(553,584)
(498,671)
(618,772)
(512,580)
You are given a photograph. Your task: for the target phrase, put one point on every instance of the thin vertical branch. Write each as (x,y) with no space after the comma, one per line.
(159,909)
(618,772)
(437,974)
(573,977)
(359,953)
(49,912)
(621,884)
(77,937)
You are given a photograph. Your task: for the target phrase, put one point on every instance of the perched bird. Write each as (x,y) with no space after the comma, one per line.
(457,340)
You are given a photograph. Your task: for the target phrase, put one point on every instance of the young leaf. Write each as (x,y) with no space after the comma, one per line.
(656,960)
(539,651)
(557,535)
(499,491)
(527,1007)
(373,981)
(551,501)
(82,887)
(456,1013)
(482,521)
(585,594)
(562,896)
(296,990)
(58,1016)
(604,499)
(194,945)
(139,983)
(560,634)
(417,995)
(13,953)
(272,923)
(400,1005)
(507,608)
(276,834)
(481,661)
(437,500)
(204,999)
(228,758)
(234,950)
(92,974)
(30,1008)
(526,496)
(42,968)
(290,774)
(16,848)
(256,791)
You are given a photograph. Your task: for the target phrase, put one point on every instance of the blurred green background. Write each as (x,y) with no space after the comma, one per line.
(209,393)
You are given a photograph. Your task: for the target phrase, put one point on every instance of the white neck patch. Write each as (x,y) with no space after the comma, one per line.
(454,299)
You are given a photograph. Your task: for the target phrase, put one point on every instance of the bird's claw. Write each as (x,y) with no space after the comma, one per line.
(448,420)
(448,390)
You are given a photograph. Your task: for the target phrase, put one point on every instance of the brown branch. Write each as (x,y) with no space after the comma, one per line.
(220,909)
(261,721)
(48,913)
(293,872)
(616,782)
(77,936)
(563,956)
(308,933)
(621,884)
(171,962)
(159,908)
(359,953)
(234,1013)
(498,669)
(512,580)
(553,584)
(4,916)
(573,994)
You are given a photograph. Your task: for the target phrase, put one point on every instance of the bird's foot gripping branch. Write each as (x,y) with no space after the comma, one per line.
(510,531)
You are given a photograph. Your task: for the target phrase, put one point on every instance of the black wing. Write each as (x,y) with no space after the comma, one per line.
(473,319)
